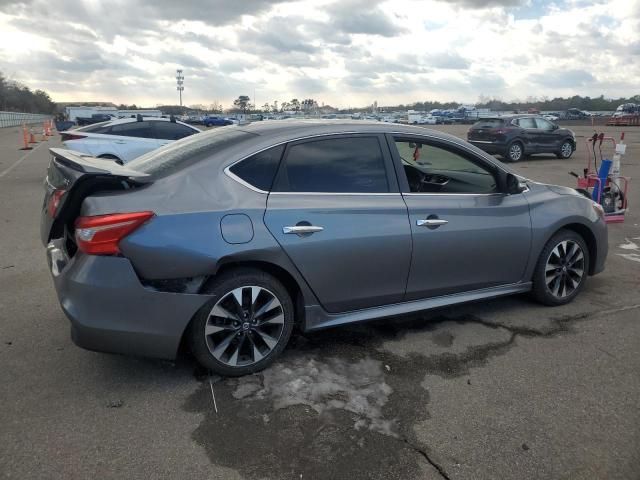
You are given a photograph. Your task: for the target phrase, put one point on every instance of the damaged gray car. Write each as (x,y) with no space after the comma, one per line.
(226,240)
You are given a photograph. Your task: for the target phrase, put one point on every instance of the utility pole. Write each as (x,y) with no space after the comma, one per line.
(179,82)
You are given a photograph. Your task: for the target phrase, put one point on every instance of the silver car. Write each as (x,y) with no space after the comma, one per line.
(229,238)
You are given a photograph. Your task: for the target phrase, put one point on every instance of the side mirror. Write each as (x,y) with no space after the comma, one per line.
(513,184)
(555,127)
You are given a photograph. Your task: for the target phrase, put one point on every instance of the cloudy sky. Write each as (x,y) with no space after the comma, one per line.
(343,53)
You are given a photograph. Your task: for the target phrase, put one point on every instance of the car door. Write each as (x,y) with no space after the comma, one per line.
(336,210)
(530,134)
(133,139)
(167,132)
(467,235)
(548,140)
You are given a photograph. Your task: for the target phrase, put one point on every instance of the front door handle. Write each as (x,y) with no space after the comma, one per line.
(431,222)
(299,229)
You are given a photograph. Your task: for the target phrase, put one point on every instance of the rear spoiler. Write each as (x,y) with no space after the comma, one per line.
(95,166)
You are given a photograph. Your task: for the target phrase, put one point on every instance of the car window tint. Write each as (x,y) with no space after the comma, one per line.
(434,169)
(171,130)
(101,127)
(260,169)
(527,123)
(543,124)
(347,165)
(187,151)
(489,123)
(133,129)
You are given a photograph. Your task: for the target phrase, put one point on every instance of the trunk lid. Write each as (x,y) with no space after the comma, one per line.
(71,177)
(488,130)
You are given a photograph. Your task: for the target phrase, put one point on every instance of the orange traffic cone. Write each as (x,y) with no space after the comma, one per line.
(25,138)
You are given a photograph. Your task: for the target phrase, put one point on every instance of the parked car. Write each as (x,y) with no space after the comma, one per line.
(515,136)
(215,121)
(125,139)
(551,117)
(229,238)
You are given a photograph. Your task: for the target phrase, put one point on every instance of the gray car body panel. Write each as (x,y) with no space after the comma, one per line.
(334,271)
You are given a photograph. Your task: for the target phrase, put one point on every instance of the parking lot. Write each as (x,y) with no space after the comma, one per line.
(502,389)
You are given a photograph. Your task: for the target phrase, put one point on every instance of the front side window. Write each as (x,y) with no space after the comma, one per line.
(260,169)
(544,124)
(335,165)
(527,123)
(435,169)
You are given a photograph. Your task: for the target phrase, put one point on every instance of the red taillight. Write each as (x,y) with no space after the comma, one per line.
(54,202)
(101,234)
(71,136)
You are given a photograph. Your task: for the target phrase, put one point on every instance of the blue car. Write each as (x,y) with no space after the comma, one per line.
(211,121)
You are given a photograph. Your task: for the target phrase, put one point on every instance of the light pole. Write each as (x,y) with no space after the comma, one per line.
(180,81)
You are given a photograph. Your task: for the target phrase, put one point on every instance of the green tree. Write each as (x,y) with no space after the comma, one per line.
(243,102)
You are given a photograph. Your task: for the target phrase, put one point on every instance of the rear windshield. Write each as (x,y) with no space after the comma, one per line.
(185,152)
(489,123)
(95,127)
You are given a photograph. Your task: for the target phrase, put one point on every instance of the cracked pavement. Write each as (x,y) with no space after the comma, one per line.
(502,389)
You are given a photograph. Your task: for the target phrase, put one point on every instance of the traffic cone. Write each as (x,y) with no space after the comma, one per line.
(25,138)
(44,135)
(32,137)
(47,128)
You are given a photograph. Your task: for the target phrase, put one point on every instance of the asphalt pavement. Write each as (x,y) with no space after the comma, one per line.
(502,389)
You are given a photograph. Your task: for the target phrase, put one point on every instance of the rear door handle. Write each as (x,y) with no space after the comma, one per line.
(298,229)
(431,222)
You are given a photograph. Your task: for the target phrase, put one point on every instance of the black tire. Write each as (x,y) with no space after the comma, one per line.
(566,150)
(543,278)
(221,288)
(515,151)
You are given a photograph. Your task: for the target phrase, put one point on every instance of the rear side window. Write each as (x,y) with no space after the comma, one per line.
(171,130)
(489,123)
(102,127)
(260,169)
(527,123)
(337,165)
(133,129)
(185,152)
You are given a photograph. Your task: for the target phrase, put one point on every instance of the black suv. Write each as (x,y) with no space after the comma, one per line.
(515,136)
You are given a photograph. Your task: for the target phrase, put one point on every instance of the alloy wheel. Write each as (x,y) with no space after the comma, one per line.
(566,150)
(515,152)
(244,326)
(564,270)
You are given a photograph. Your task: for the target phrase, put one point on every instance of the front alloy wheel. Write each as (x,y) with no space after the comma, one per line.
(561,271)
(566,149)
(245,325)
(565,269)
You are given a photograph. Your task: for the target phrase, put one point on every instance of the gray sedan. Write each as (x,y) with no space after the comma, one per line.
(229,238)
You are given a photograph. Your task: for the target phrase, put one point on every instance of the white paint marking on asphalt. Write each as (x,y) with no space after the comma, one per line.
(634,257)
(20,160)
(215,406)
(629,245)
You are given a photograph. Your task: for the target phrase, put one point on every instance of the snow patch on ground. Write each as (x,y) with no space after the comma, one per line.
(324,385)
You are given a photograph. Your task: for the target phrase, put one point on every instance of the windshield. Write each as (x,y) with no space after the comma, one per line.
(185,152)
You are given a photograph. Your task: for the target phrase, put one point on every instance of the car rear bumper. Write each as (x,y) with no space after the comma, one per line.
(489,147)
(111,311)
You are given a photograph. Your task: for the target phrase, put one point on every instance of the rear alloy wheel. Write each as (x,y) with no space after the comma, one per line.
(562,269)
(566,150)
(245,326)
(515,152)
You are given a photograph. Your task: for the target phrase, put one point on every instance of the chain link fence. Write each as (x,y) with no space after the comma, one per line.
(14,119)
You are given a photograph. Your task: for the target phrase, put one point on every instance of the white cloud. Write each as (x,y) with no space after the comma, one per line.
(341,52)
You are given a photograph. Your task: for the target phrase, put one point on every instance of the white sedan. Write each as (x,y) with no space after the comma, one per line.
(553,118)
(127,138)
